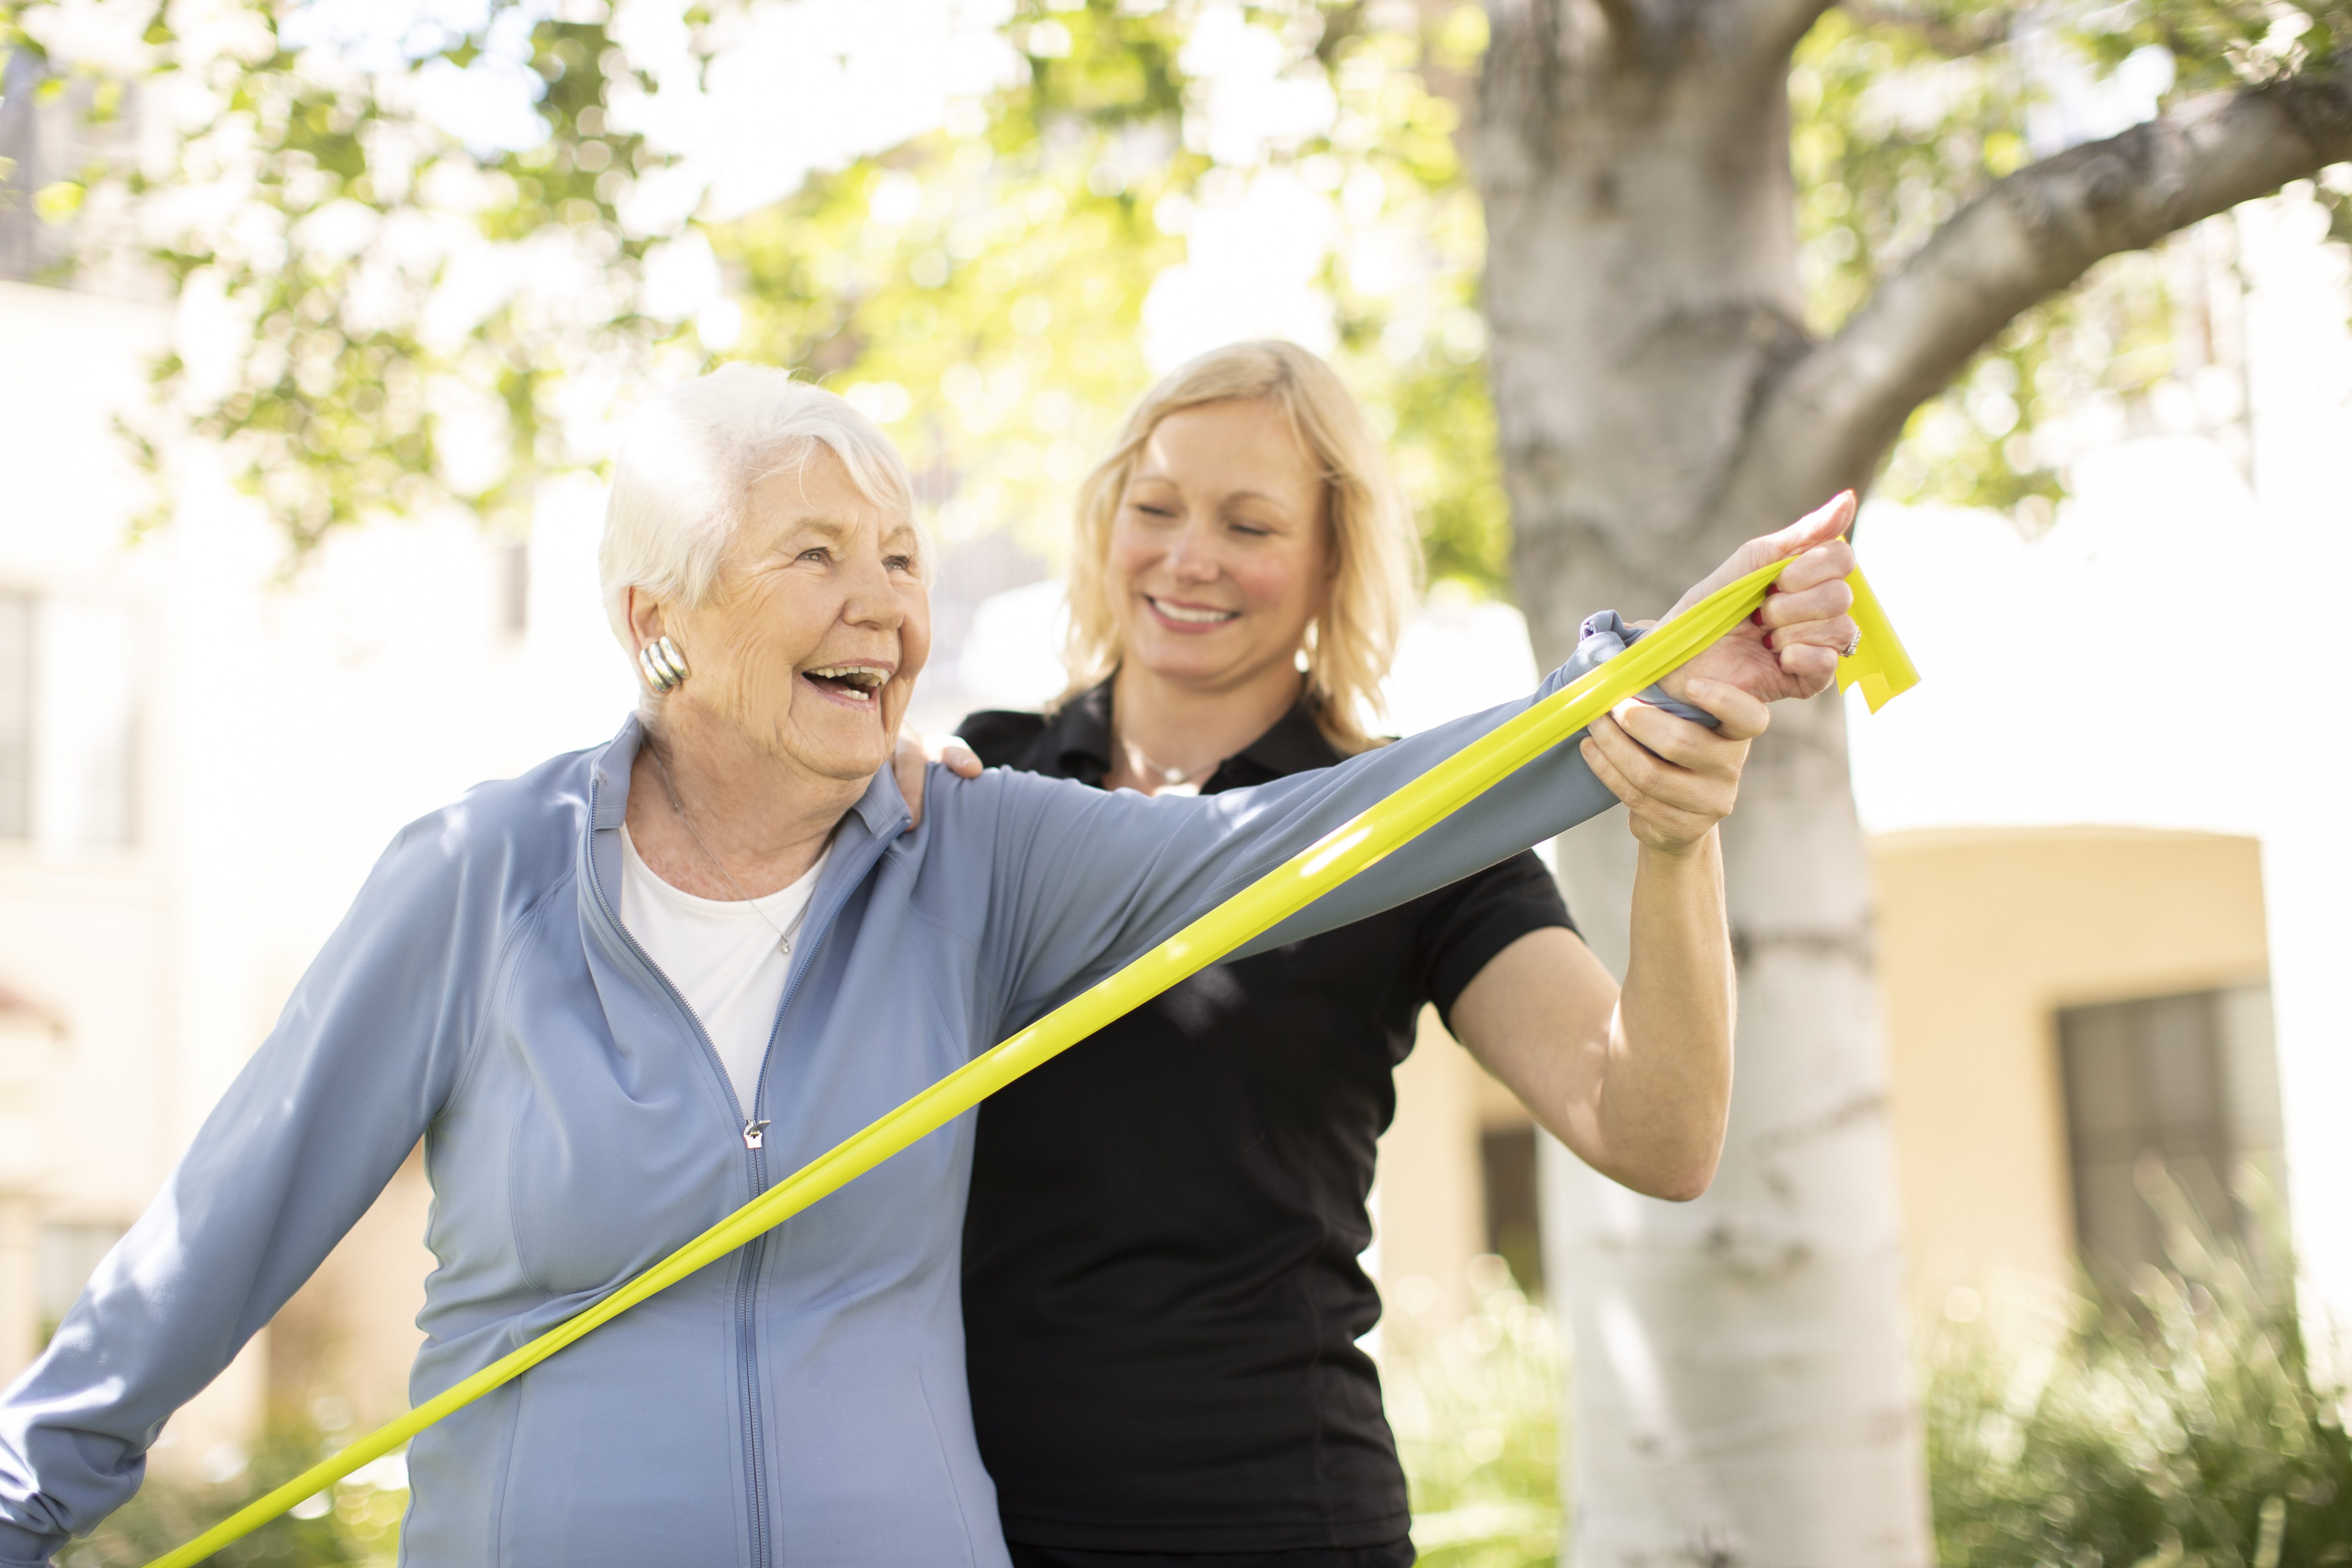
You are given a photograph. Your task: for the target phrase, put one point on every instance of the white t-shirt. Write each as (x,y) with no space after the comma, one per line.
(722,956)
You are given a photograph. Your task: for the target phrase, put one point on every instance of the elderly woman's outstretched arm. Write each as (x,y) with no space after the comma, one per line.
(367,1050)
(1085,880)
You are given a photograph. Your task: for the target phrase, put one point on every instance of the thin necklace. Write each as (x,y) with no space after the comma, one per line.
(784,933)
(1142,762)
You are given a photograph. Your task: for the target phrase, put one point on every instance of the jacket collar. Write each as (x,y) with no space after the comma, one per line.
(625,977)
(882,809)
(1079,737)
(868,831)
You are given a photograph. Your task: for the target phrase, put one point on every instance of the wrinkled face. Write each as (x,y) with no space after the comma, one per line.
(1219,556)
(819,622)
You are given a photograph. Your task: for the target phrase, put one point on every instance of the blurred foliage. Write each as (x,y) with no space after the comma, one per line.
(2175,1426)
(1898,118)
(2221,42)
(417,323)
(1475,1409)
(357,1524)
(979,294)
(414,322)
(1904,113)
(408,314)
(2172,1426)
(982,295)
(1417,354)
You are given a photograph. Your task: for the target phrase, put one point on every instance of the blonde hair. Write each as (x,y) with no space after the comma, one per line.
(686,464)
(1376,555)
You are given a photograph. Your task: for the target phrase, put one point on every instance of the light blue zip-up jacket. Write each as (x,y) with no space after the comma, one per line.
(799,1403)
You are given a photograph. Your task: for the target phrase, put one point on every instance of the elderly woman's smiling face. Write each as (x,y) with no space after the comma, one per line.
(816,627)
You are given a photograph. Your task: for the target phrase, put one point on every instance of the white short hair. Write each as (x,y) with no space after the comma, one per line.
(685,463)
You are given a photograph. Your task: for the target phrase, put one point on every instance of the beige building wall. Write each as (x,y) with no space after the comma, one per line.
(1983,935)
(1429,1204)
(1429,1211)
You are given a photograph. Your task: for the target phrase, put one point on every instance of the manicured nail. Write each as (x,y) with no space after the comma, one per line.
(1757,616)
(1768,639)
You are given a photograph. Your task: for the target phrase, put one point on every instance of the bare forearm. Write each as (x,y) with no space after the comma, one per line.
(1666,1084)
(1635,1082)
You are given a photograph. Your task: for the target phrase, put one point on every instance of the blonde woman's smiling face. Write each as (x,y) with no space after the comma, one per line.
(1220,556)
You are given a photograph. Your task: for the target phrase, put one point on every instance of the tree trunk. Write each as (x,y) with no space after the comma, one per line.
(1740,1382)
(1740,1392)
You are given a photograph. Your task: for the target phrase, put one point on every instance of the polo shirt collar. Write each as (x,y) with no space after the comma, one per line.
(1293,745)
(1080,736)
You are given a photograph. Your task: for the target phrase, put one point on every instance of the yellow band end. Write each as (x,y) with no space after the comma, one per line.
(1881,664)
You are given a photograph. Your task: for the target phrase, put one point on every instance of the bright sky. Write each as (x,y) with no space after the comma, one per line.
(2057,674)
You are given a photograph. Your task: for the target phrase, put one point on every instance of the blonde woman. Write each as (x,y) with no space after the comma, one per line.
(1162,1292)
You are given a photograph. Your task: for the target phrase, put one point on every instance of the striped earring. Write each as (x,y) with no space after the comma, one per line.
(664,666)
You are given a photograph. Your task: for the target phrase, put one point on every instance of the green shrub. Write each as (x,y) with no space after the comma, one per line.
(1475,1409)
(358,1525)
(2170,1424)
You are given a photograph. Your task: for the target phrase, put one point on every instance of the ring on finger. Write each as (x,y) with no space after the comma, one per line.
(1852,647)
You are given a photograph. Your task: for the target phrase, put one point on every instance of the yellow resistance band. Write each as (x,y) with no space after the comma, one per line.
(1880,666)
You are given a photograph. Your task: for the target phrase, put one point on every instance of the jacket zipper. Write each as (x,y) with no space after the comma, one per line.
(754,1252)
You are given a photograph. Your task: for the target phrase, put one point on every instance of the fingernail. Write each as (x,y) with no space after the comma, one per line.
(1768,639)
(1757,616)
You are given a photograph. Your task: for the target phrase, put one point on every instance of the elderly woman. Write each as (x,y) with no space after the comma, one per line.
(621,994)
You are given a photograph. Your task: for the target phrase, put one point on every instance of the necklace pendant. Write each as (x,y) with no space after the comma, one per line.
(786,945)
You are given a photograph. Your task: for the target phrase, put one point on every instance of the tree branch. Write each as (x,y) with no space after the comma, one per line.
(2031,235)
(1773,27)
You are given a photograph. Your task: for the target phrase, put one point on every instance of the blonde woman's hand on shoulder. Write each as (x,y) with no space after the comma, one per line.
(913,758)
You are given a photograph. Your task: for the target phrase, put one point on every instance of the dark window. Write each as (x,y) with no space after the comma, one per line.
(15,715)
(2177,1087)
(1506,1159)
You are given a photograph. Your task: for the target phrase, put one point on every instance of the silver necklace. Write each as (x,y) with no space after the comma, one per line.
(1137,755)
(784,934)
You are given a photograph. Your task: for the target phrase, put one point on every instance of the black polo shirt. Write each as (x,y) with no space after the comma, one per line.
(1162,1292)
